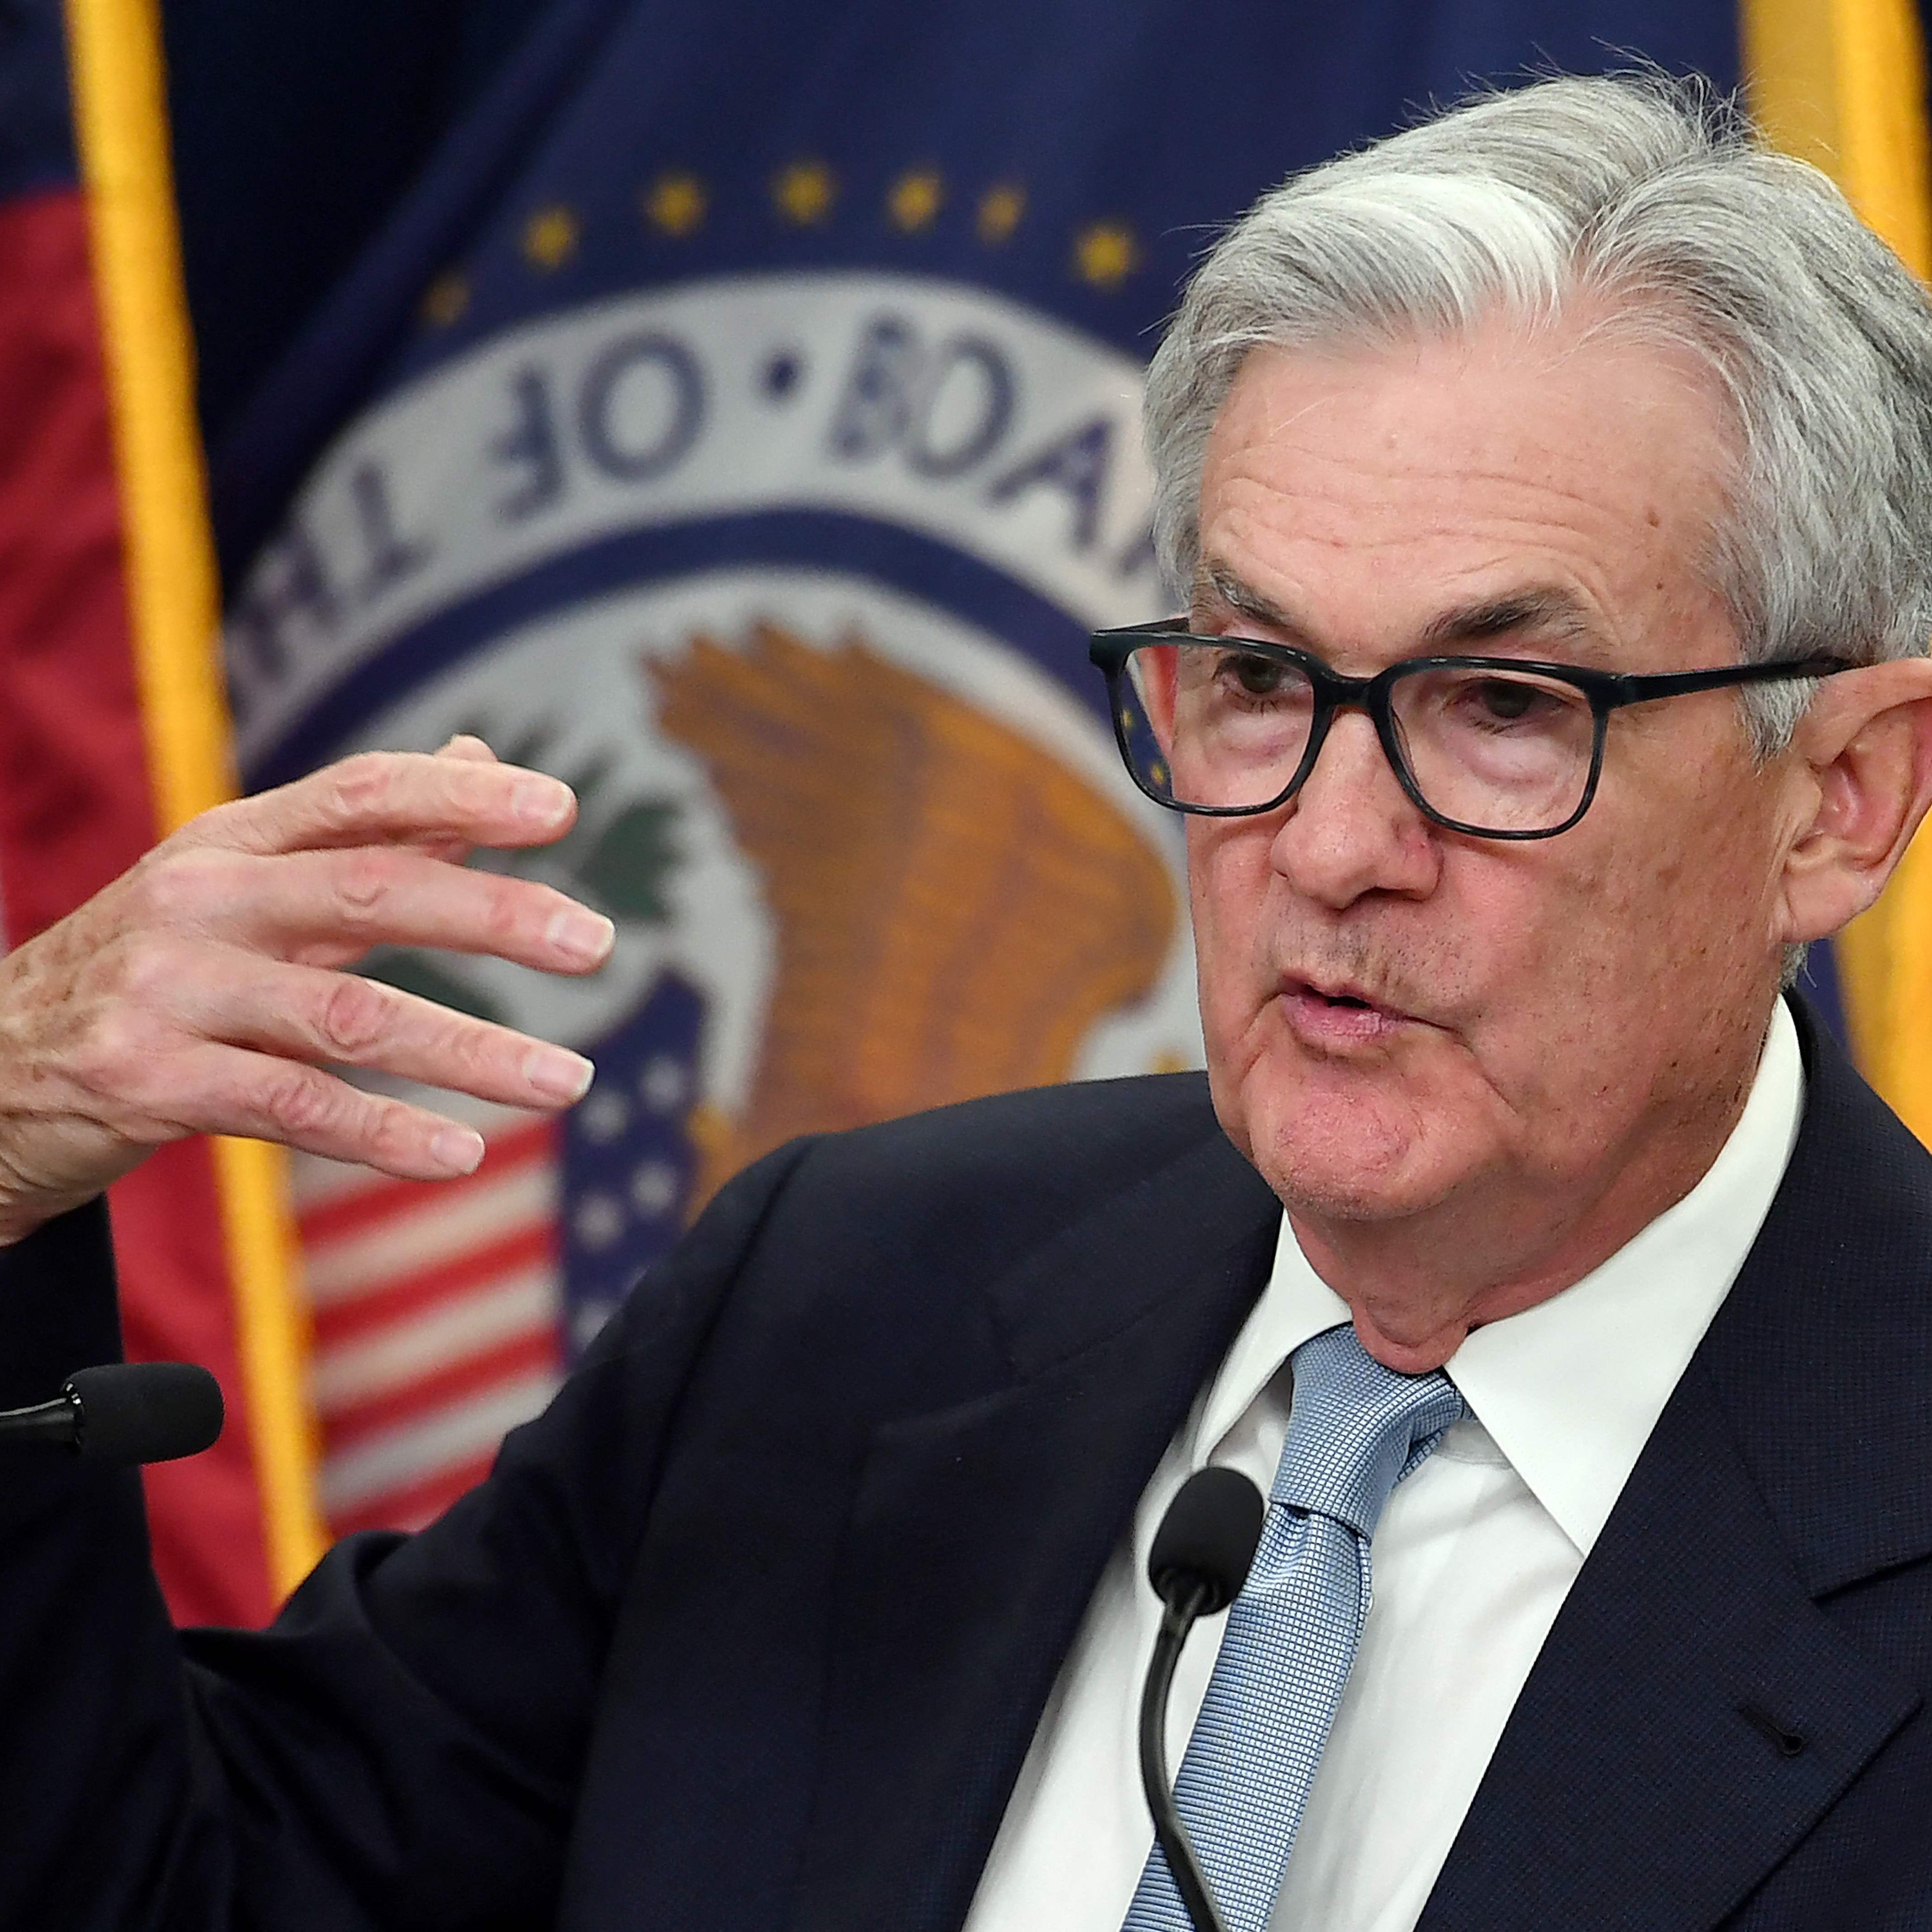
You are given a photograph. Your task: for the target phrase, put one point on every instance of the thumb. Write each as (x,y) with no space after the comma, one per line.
(466,745)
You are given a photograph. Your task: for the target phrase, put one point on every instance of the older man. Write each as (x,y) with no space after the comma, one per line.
(1554,484)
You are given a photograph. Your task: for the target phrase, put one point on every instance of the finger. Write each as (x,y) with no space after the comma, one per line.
(394,797)
(327,1019)
(462,745)
(218,1088)
(326,908)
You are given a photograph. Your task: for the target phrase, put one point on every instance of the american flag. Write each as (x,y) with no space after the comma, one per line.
(436,1310)
(446,1313)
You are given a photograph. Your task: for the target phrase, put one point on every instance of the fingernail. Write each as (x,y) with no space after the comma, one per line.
(558,1074)
(581,934)
(541,801)
(460,1150)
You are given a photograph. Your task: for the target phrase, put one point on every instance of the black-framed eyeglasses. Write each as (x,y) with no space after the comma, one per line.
(1498,748)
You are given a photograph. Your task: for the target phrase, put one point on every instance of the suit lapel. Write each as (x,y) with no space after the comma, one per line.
(978,1534)
(1692,1715)
(1693,1711)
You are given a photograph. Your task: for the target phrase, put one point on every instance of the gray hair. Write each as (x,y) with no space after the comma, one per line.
(1658,202)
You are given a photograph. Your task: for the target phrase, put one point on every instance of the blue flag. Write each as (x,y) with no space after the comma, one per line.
(741,422)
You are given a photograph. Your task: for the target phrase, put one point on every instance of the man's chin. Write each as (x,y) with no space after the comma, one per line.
(1325,1192)
(1348,1160)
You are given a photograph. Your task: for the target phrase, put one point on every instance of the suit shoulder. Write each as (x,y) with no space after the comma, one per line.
(914,1253)
(996,1176)
(1075,1135)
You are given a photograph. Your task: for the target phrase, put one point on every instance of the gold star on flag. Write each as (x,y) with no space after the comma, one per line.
(803,192)
(550,237)
(1105,254)
(675,204)
(1000,211)
(915,200)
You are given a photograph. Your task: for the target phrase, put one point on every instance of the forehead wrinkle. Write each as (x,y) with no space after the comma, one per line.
(1383,456)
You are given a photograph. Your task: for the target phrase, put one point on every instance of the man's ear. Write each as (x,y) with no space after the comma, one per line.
(1861,779)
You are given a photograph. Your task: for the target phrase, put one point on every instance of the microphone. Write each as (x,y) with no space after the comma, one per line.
(125,1412)
(1199,1563)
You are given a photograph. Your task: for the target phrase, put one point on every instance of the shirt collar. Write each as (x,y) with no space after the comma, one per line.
(1570,1389)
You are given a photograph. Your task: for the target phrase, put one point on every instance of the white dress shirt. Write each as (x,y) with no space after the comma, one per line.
(1472,1560)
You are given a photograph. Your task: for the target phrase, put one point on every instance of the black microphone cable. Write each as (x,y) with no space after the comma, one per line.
(1199,1560)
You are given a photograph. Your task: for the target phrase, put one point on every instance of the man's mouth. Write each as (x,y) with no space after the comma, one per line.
(1338,1014)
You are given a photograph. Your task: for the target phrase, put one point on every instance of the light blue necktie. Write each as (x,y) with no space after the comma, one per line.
(1355,1430)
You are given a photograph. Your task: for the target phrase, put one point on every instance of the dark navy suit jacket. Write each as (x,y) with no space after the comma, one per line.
(751,1629)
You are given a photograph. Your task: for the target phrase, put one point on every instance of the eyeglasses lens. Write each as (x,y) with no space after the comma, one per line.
(1207,724)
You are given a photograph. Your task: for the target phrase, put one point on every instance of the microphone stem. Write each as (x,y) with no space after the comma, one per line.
(1177,1620)
(57,1422)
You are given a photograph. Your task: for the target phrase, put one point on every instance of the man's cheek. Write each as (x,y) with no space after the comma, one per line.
(1230,968)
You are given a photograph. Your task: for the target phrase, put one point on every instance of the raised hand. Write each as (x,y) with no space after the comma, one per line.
(203,992)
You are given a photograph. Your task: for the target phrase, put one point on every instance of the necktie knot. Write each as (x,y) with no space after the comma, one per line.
(1355,1429)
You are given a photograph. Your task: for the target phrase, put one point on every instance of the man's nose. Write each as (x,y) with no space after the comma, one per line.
(1351,828)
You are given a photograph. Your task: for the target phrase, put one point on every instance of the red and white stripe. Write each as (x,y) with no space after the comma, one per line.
(436,1309)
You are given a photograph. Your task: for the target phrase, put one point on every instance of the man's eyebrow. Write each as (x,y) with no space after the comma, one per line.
(1549,609)
(1217,581)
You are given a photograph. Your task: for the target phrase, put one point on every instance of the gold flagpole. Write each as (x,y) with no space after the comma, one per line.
(1842,83)
(120,120)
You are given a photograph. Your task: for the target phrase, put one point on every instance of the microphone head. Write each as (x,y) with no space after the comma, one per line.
(144,1412)
(1208,1537)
